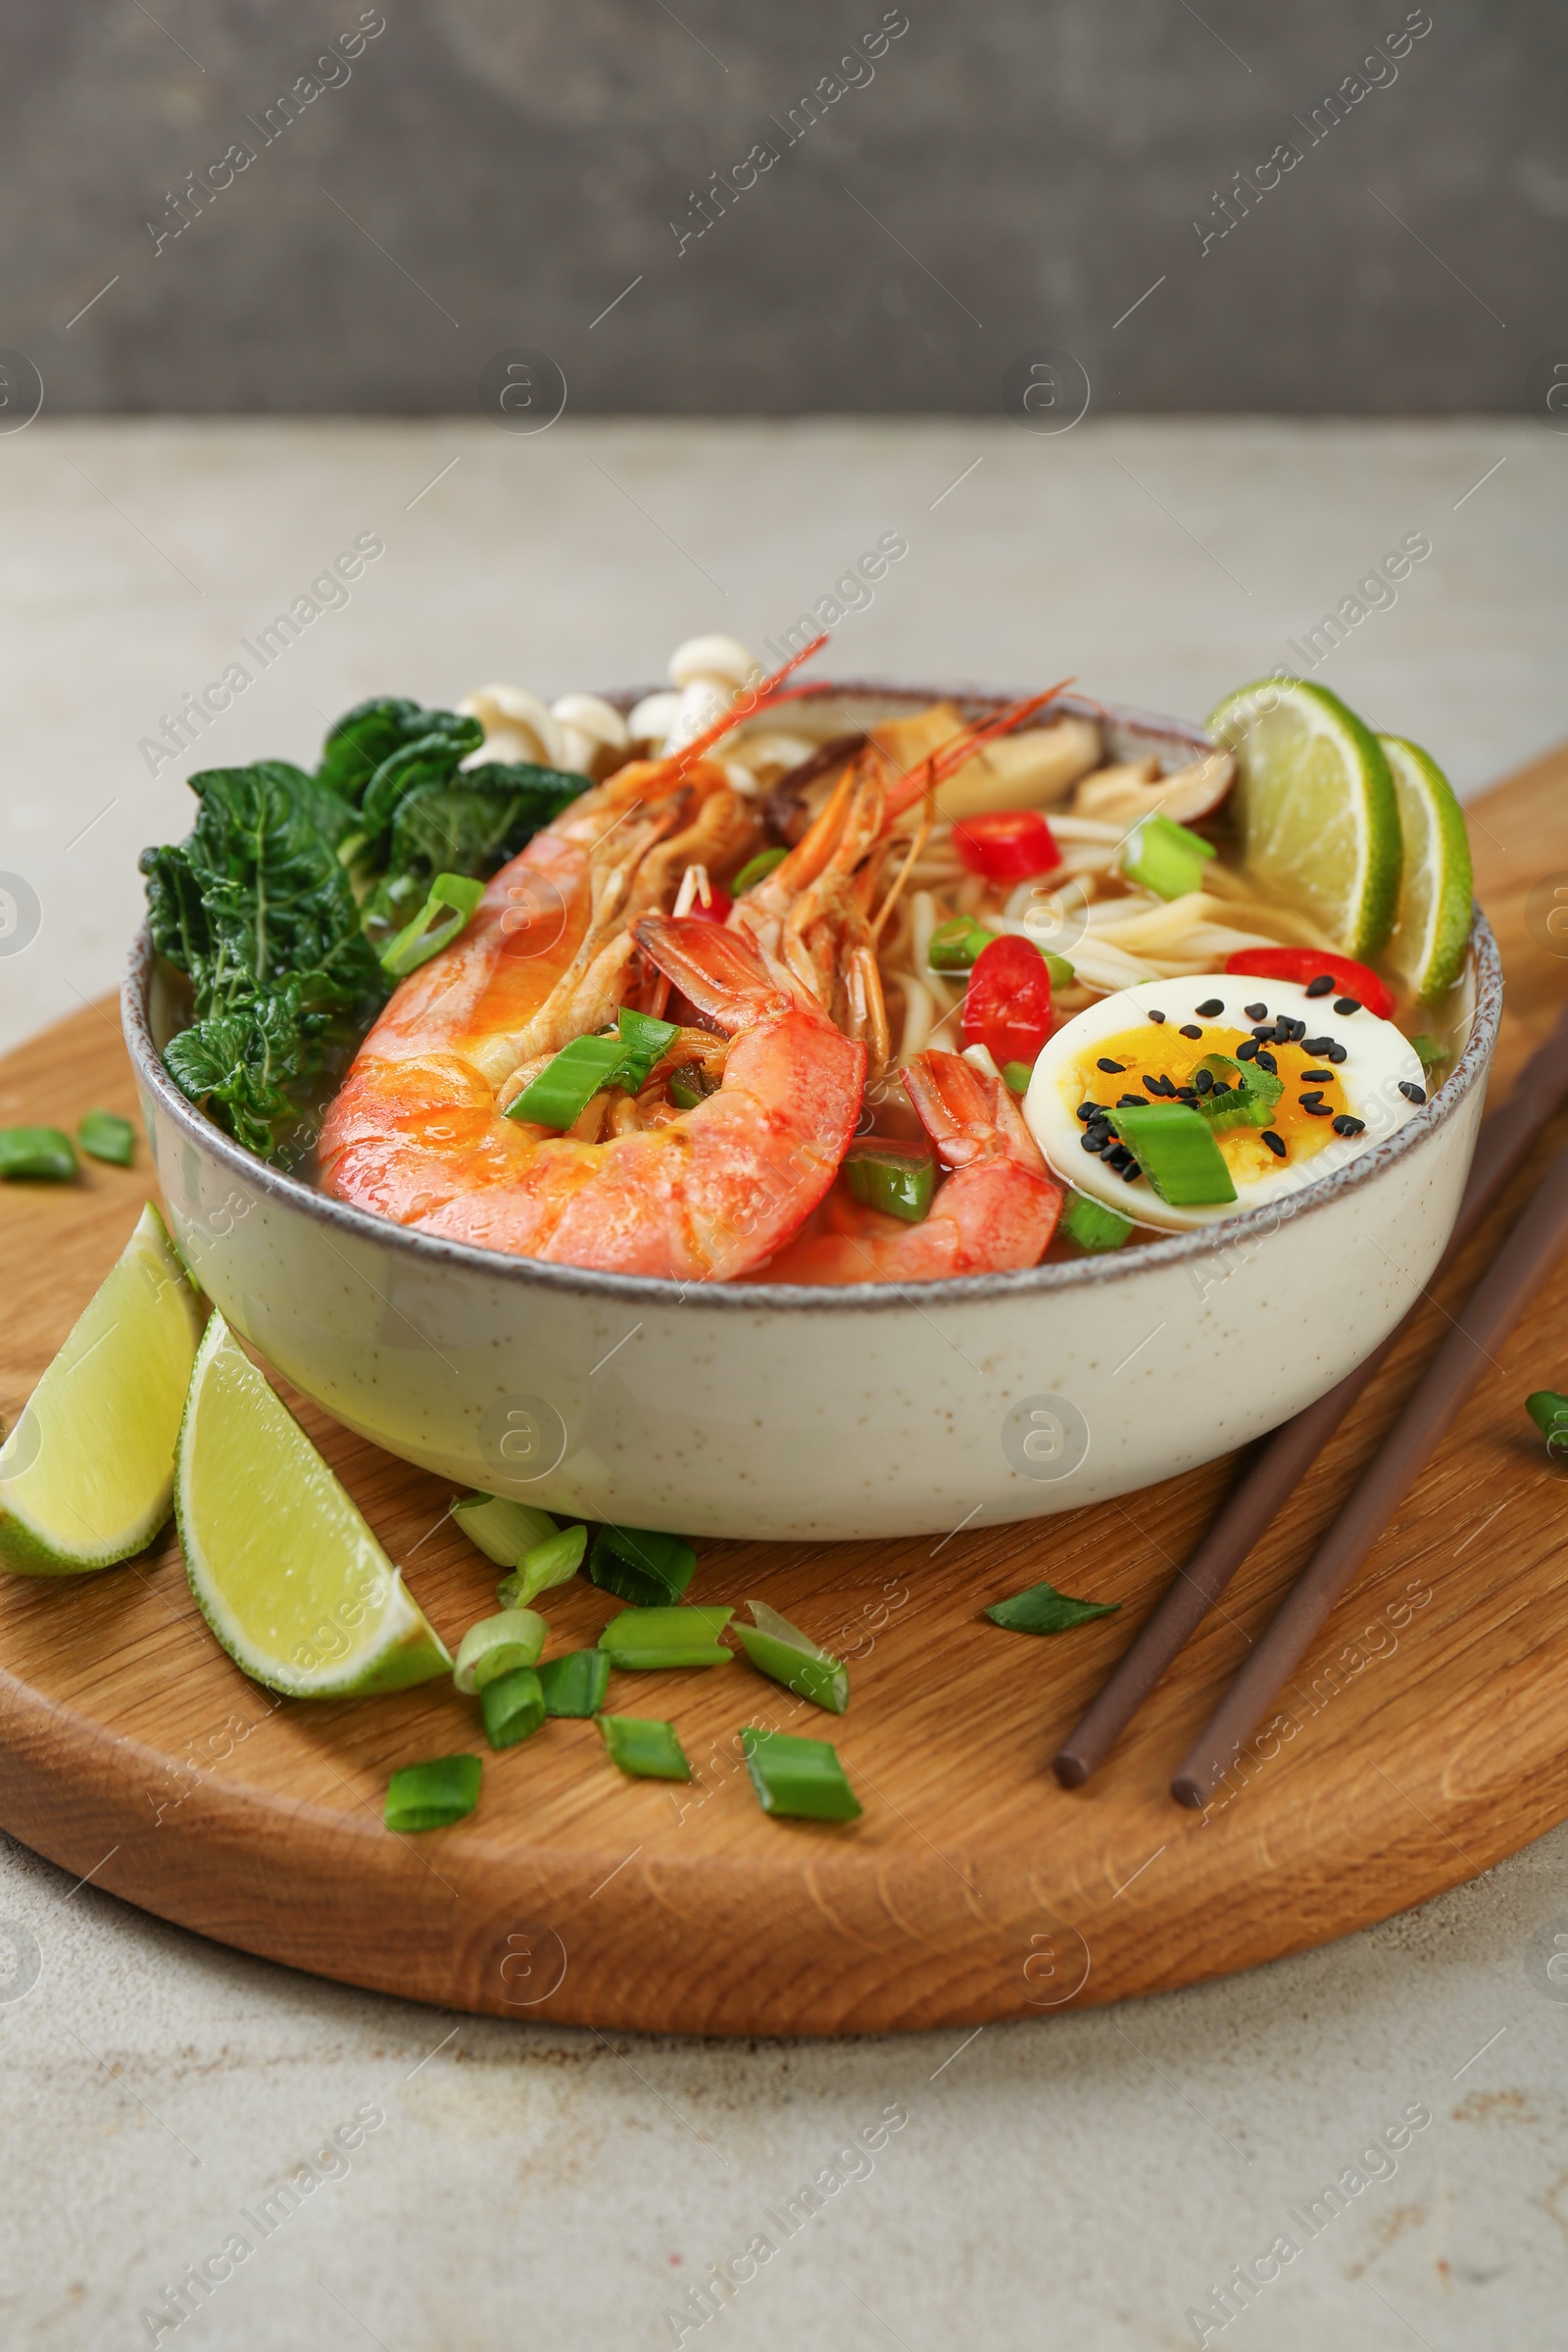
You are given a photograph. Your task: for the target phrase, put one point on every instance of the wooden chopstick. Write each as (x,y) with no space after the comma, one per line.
(1505,1138)
(1500,1296)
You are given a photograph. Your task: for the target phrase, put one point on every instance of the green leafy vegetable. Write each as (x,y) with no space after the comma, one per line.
(1045,1611)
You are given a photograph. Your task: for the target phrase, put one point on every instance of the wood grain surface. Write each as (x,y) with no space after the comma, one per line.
(1422,1739)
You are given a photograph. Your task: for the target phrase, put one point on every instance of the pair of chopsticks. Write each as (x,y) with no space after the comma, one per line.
(1498,1300)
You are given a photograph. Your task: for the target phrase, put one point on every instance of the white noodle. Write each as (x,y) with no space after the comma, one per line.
(918,1010)
(1085,828)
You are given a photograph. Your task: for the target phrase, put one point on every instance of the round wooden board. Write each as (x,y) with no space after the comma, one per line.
(1421,1741)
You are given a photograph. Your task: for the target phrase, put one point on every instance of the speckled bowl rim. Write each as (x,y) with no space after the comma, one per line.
(748,1298)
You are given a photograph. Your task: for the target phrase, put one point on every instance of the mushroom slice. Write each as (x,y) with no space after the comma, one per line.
(1121,795)
(1033,768)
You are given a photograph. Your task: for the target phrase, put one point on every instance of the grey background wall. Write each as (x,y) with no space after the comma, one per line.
(1006,175)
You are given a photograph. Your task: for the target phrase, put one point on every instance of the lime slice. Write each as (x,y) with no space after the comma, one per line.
(288,1575)
(1316,807)
(1432,921)
(87,1475)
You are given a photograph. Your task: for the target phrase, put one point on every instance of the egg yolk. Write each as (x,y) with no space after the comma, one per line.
(1155,1050)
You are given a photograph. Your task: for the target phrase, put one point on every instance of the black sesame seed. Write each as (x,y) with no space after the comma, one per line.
(1317,1073)
(1086,1111)
(1156,1016)
(1322,986)
(1334,1054)
(1113,1066)
(1129,1102)
(1187,1093)
(1319,1110)
(1346,1125)
(1283,1032)
(1267,1061)
(1256,1012)
(1209,1008)
(1222,1086)
(1264,1032)
(1316,1095)
(1191,1029)
(1411,1091)
(1131,1172)
(1347,1003)
(1316,1044)
(1246,1049)
(1093,1141)
(1153,1085)
(1117,1157)
(1275,1142)
(1297,1032)
(1204,1082)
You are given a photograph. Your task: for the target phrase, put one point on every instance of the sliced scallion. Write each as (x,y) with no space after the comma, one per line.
(756,869)
(575,1685)
(690,1085)
(495,1646)
(555,1561)
(899,1179)
(566,1086)
(448,910)
(641,1565)
(801,1778)
(956,944)
(105,1135)
(513,1706)
(1173,1146)
(645,1042)
(430,1796)
(1015,1076)
(651,1639)
(42,1154)
(1550,1413)
(647,1750)
(780,1650)
(1045,1611)
(1164,858)
(502,1529)
(1431,1052)
(1092,1225)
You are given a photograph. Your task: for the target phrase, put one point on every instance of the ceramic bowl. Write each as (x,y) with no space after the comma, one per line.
(761,1410)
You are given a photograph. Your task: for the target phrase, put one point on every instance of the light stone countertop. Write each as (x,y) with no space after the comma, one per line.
(1081,2180)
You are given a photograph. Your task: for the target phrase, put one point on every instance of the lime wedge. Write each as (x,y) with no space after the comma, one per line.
(1316,807)
(87,1475)
(288,1575)
(1432,921)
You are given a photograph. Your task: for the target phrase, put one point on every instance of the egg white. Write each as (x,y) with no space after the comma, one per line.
(1377,1057)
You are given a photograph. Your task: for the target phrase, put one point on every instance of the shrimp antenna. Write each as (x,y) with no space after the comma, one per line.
(755,698)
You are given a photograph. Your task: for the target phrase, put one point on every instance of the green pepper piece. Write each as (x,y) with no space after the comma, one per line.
(1176,1152)
(40,1153)
(899,1179)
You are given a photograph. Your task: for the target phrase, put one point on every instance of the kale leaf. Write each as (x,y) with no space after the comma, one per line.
(470,826)
(361,739)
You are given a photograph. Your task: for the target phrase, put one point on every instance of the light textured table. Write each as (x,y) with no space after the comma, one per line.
(1081,2180)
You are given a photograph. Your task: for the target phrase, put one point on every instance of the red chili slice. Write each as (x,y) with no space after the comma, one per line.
(1008,846)
(1305,965)
(717,908)
(1006,1007)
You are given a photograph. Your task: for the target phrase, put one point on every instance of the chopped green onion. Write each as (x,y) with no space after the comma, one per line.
(1165,858)
(495,1646)
(1060,971)
(503,1530)
(105,1135)
(783,1653)
(1431,1051)
(1015,1076)
(425,937)
(646,1041)
(1092,1225)
(430,1796)
(566,1086)
(690,1085)
(1550,1413)
(513,1706)
(575,1685)
(799,1776)
(555,1561)
(1246,1098)
(641,1565)
(36,1152)
(756,869)
(1045,1611)
(651,1639)
(1172,1145)
(956,944)
(647,1750)
(899,1179)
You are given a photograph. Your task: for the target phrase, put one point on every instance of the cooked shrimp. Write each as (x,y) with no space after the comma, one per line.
(997,1211)
(700,1197)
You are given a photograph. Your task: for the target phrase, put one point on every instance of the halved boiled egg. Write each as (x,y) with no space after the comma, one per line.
(1280,1109)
